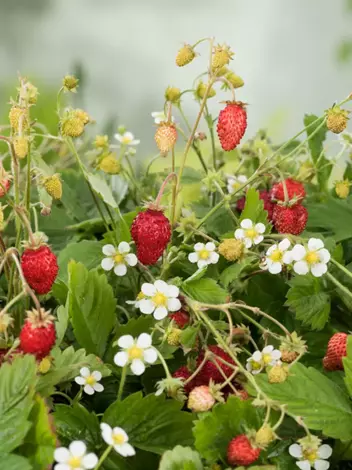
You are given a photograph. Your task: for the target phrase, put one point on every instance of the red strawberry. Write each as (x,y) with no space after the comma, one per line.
(165,137)
(151,231)
(290,219)
(295,190)
(264,196)
(181,318)
(241,452)
(184,373)
(232,124)
(38,334)
(337,349)
(210,370)
(40,268)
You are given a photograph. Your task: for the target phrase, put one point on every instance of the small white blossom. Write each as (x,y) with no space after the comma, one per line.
(311,457)
(259,360)
(235,182)
(313,258)
(159,299)
(249,233)
(135,352)
(90,381)
(127,138)
(276,256)
(160,116)
(118,258)
(75,457)
(204,254)
(117,438)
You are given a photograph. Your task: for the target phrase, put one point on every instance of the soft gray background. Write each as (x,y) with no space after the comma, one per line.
(286,51)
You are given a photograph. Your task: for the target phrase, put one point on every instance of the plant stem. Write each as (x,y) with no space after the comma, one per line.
(163,186)
(163,362)
(343,268)
(339,285)
(12,302)
(62,394)
(103,457)
(122,382)
(173,203)
(28,187)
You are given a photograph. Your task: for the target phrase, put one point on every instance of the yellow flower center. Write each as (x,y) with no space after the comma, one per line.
(90,380)
(140,296)
(236,185)
(126,140)
(276,255)
(118,438)
(135,353)
(256,365)
(203,254)
(310,455)
(160,299)
(251,233)
(267,359)
(312,257)
(119,259)
(75,462)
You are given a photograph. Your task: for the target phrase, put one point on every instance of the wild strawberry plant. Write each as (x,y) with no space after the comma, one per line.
(195,317)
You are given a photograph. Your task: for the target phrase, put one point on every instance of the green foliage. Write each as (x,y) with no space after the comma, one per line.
(14,462)
(322,403)
(315,144)
(233,272)
(61,324)
(103,190)
(254,208)
(226,421)
(347,365)
(308,300)
(86,252)
(152,423)
(91,306)
(205,290)
(181,458)
(189,337)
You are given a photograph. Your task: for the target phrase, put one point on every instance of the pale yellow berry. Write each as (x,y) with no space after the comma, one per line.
(342,189)
(172,94)
(109,164)
(53,186)
(231,249)
(174,336)
(277,374)
(82,115)
(20,145)
(101,141)
(185,55)
(71,126)
(70,83)
(44,365)
(221,57)
(264,436)
(235,80)
(18,118)
(337,119)
(201,90)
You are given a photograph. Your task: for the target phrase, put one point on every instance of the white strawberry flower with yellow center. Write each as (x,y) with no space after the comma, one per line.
(136,352)
(204,254)
(75,457)
(277,255)
(159,299)
(118,439)
(311,454)
(235,182)
(251,234)
(118,258)
(259,360)
(127,138)
(90,381)
(311,258)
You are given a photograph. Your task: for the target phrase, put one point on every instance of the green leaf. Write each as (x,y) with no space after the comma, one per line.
(61,324)
(197,275)
(101,187)
(152,423)
(309,302)
(254,208)
(14,462)
(316,148)
(17,382)
(189,337)
(181,458)
(40,442)
(347,365)
(323,405)
(119,187)
(91,306)
(86,252)
(234,271)
(226,420)
(205,290)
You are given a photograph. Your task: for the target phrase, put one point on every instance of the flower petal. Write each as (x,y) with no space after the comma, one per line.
(85,372)
(284,244)
(148,289)
(303,465)
(106,433)
(80,380)
(321,464)
(98,387)
(120,269)
(275,268)
(247,242)
(107,264)
(137,367)
(89,461)
(268,349)
(126,450)
(324,255)
(88,389)
(61,454)
(193,257)
(77,448)
(199,246)
(210,246)
(131,259)
(173,304)
(315,244)
(214,257)
(298,252)
(62,466)
(146,306)
(295,450)
(271,249)
(125,341)
(276,354)
(120,431)
(257,356)
(121,358)
(242,178)
(260,228)
(97,375)
(318,269)
(239,234)
(109,250)
(150,355)
(118,137)
(246,223)
(124,247)
(287,257)
(258,239)
(324,451)
(160,313)
(301,267)
(144,340)
(172,291)
(161,286)
(202,263)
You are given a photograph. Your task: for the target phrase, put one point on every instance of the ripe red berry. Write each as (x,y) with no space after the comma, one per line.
(337,349)
(241,452)
(38,333)
(151,231)
(290,219)
(40,268)
(232,125)
(184,373)
(295,191)
(210,370)
(265,196)
(181,318)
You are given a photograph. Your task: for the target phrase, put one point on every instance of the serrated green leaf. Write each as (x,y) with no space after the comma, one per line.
(103,190)
(323,405)
(254,208)
(87,252)
(14,462)
(308,300)
(234,271)
(347,365)
(61,324)
(226,420)
(152,423)
(181,458)
(189,336)
(91,306)
(205,290)
(197,275)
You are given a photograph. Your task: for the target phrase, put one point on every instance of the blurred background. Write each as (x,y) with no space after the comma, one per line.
(294,56)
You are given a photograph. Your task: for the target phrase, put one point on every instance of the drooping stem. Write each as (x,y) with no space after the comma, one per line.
(26,287)
(122,382)
(103,457)
(12,302)
(342,268)
(163,362)
(163,186)
(339,285)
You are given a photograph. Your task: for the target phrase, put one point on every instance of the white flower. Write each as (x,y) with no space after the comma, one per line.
(160,116)
(277,255)
(135,352)
(90,381)
(311,457)
(117,258)
(204,254)
(160,299)
(127,138)
(313,258)
(117,438)
(259,360)
(235,182)
(75,457)
(250,234)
